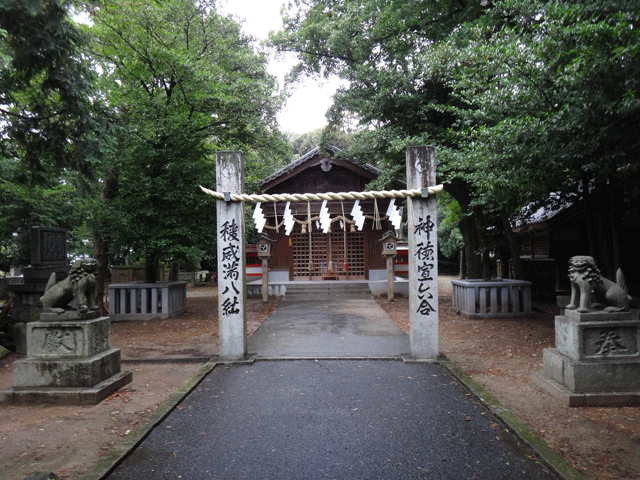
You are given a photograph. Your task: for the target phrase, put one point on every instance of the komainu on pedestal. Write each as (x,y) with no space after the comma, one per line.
(69,355)
(80,285)
(588,284)
(596,359)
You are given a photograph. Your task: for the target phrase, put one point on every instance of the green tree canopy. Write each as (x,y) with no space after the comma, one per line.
(181,81)
(45,84)
(522,98)
(46,122)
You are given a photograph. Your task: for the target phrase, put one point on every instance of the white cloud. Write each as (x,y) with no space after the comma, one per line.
(306,108)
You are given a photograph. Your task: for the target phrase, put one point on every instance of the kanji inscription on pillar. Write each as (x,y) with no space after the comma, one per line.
(231,258)
(423,259)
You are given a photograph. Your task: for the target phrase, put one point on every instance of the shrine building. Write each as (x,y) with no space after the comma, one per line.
(344,252)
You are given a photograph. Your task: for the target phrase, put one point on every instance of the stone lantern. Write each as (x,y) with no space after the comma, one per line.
(263,247)
(389,250)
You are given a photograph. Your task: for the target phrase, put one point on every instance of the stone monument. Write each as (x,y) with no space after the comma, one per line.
(48,255)
(596,359)
(69,355)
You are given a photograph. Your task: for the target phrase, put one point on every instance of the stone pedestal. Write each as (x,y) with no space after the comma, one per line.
(596,360)
(69,361)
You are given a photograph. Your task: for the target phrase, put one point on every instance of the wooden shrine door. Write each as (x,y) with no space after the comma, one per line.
(321,256)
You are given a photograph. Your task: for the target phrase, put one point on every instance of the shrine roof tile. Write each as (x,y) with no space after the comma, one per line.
(306,157)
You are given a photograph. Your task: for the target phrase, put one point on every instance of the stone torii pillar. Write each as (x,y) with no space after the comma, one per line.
(423,256)
(232,278)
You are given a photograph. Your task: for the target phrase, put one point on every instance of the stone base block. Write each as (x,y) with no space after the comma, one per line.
(590,377)
(19,335)
(49,339)
(602,316)
(69,316)
(598,336)
(66,372)
(66,396)
(594,399)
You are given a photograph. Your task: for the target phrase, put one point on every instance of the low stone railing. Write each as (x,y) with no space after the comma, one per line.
(142,301)
(11,281)
(496,298)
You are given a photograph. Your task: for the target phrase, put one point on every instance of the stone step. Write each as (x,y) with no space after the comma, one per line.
(322,291)
(342,288)
(320,296)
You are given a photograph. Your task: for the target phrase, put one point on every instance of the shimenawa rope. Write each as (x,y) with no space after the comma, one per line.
(318,197)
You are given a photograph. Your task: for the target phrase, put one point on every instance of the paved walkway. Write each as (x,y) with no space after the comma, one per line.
(329,329)
(330,419)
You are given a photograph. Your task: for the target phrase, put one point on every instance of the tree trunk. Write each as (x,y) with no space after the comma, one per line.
(471,247)
(472,265)
(101,254)
(487,267)
(514,248)
(611,213)
(603,231)
(101,246)
(602,235)
(591,231)
(151,267)
(483,249)
(174,271)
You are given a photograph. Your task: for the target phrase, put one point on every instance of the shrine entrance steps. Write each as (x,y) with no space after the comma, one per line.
(327,290)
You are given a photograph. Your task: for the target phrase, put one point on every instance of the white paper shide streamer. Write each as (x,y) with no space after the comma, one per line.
(325,220)
(395,217)
(358,216)
(258,217)
(288,219)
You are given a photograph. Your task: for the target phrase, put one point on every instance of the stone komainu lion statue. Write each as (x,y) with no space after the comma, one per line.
(80,286)
(587,283)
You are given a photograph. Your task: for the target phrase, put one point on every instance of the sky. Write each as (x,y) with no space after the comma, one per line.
(306,108)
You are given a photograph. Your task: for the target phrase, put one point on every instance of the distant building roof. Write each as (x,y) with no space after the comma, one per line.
(291,167)
(557,209)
